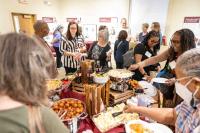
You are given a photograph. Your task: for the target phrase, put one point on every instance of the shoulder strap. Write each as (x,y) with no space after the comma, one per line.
(119,44)
(35,119)
(166,64)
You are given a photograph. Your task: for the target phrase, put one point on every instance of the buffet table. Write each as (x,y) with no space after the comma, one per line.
(91,97)
(87,124)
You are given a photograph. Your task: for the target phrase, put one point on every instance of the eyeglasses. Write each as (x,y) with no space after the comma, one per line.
(153,41)
(175,41)
(73,28)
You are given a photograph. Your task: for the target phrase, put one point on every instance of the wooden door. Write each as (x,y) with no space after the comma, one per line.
(24,23)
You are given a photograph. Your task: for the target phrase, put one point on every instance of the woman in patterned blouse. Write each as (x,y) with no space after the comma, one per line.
(185,116)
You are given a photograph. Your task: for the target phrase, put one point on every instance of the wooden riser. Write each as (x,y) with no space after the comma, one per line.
(121,99)
(118,95)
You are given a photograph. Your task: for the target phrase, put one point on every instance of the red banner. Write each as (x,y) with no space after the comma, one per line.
(191,19)
(105,19)
(71,19)
(48,19)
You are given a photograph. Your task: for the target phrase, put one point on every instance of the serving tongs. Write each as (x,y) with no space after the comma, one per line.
(117,114)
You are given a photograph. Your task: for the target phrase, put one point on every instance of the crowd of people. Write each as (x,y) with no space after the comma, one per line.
(26,63)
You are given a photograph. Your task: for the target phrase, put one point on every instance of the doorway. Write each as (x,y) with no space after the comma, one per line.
(24,23)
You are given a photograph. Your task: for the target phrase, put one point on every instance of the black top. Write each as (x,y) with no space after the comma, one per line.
(120,48)
(157,46)
(97,52)
(141,36)
(146,53)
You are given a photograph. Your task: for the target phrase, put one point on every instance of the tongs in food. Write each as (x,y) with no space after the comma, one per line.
(117,113)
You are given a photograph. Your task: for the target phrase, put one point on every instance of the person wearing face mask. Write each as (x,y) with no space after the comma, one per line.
(71,47)
(186,116)
(182,40)
(145,50)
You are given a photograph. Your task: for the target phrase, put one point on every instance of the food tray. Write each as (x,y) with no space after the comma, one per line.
(112,122)
(78,116)
(119,75)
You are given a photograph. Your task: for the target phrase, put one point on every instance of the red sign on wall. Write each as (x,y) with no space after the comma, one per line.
(191,19)
(48,19)
(71,19)
(105,19)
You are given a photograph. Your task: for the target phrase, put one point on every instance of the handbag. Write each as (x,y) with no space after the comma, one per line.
(128,58)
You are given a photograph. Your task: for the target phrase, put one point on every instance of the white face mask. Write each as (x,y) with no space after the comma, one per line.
(184,92)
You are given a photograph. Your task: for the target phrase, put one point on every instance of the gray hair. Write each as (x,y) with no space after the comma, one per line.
(189,62)
(23,68)
(105,34)
(58,28)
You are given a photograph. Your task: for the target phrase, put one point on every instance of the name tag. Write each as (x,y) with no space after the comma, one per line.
(172,64)
(148,54)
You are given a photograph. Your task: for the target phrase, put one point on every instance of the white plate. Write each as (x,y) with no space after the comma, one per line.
(150,91)
(155,127)
(160,128)
(159,80)
(127,126)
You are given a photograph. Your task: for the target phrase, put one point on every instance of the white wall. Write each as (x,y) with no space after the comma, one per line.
(33,7)
(178,9)
(91,10)
(148,11)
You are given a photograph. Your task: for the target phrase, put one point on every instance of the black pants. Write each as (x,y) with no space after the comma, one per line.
(70,70)
(58,57)
(119,65)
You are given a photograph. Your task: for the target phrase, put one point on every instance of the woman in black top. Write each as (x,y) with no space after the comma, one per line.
(181,41)
(145,50)
(120,48)
(101,50)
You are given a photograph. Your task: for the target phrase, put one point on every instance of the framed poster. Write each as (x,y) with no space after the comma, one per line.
(49,19)
(71,19)
(105,19)
(192,23)
(90,32)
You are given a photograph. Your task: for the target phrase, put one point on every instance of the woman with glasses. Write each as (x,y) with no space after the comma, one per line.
(182,40)
(185,117)
(72,47)
(145,50)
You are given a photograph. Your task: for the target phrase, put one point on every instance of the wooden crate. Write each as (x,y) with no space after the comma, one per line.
(118,97)
(78,87)
(96,95)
